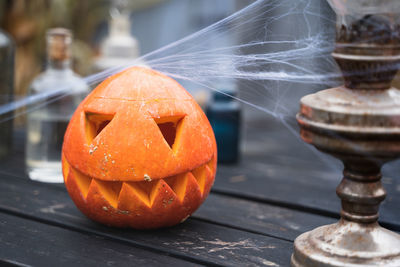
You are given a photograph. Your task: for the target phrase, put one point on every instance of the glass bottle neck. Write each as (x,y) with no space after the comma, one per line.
(58,49)
(58,65)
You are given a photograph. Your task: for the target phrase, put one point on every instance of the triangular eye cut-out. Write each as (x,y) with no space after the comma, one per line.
(169,127)
(95,123)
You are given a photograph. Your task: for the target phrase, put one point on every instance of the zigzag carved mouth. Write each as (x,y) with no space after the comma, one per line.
(144,191)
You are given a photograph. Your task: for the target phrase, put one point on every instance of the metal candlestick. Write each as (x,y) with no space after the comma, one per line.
(359,123)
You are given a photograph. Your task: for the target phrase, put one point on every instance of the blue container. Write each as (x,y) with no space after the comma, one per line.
(224,115)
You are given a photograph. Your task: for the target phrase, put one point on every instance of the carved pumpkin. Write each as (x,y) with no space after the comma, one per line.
(139,152)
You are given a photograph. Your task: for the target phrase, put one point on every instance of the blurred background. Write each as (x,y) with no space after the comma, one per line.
(109,33)
(106,33)
(153,23)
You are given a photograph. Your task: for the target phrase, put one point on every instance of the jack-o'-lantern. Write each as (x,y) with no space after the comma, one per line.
(139,152)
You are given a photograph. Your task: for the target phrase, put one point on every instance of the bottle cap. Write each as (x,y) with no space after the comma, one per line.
(59,44)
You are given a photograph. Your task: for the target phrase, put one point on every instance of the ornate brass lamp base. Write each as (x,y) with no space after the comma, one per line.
(358,123)
(362,129)
(347,244)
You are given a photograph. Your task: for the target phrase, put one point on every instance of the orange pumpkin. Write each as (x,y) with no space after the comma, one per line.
(139,152)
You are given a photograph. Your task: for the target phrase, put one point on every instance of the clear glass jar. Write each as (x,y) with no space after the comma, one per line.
(47,123)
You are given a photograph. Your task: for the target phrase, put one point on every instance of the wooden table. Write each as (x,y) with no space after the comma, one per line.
(256,209)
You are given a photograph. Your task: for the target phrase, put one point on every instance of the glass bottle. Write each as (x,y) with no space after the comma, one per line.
(48,120)
(6,91)
(119,48)
(224,115)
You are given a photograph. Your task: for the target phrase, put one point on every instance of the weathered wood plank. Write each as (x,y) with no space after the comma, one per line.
(238,213)
(258,217)
(277,167)
(28,243)
(202,241)
(253,216)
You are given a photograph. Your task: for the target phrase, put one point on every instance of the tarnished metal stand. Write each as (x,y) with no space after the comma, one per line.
(359,123)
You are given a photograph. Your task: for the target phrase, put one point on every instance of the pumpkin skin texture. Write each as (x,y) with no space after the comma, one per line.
(139,152)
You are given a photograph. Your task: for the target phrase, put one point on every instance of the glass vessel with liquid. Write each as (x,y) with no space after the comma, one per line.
(120,47)
(48,119)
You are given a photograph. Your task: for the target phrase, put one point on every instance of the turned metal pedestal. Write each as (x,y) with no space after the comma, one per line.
(358,123)
(362,129)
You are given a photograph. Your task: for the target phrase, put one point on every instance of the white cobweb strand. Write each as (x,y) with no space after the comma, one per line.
(269,47)
(215,53)
(222,63)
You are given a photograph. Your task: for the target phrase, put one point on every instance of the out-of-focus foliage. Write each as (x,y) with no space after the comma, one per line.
(27,21)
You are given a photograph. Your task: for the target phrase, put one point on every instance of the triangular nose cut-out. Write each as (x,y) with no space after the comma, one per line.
(169,126)
(95,123)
